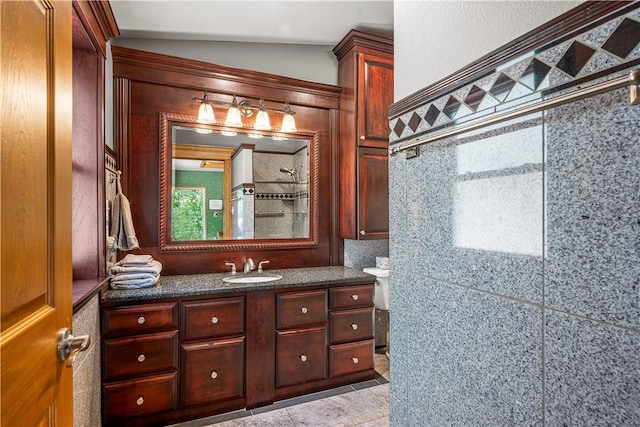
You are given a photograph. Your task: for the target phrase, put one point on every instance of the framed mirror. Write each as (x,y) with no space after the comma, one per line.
(228,188)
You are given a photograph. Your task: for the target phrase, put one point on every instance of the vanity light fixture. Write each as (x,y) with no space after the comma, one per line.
(234,116)
(288,122)
(205,112)
(262,119)
(237,110)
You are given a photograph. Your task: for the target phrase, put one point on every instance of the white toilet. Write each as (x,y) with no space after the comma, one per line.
(381,295)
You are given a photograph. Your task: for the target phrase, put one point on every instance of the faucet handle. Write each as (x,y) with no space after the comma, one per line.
(260,265)
(233,267)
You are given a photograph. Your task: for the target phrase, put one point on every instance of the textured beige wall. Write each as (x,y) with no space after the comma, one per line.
(433,39)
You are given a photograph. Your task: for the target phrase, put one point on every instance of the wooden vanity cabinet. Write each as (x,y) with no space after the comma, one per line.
(172,360)
(301,337)
(212,351)
(365,73)
(351,330)
(140,360)
(185,358)
(328,348)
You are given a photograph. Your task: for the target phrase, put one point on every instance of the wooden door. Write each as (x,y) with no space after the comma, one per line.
(373,193)
(35,222)
(375,96)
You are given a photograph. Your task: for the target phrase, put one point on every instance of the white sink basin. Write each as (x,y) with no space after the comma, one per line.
(252,279)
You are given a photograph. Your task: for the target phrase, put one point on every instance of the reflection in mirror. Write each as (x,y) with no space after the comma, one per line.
(222,184)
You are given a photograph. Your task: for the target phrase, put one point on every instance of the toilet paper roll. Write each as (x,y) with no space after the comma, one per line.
(382,262)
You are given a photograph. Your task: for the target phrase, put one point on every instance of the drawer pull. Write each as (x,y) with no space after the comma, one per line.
(355,359)
(141,358)
(140,401)
(141,320)
(214,374)
(304,310)
(303,357)
(355,297)
(214,320)
(354,326)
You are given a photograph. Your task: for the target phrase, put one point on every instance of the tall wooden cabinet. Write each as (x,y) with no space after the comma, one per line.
(365,73)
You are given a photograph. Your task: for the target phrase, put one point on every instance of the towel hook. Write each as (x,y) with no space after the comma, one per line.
(116,177)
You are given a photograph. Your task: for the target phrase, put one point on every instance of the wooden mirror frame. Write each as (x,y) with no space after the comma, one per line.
(166,155)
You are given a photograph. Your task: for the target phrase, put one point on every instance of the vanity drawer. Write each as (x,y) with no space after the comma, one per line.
(213,318)
(297,309)
(140,397)
(140,355)
(349,358)
(301,356)
(212,371)
(137,319)
(351,325)
(351,296)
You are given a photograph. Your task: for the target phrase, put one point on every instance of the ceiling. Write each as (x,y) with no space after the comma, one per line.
(305,22)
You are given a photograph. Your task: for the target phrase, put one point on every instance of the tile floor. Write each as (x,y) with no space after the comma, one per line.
(363,404)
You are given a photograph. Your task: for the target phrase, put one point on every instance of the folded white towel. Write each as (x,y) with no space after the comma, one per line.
(122,277)
(133,260)
(154,268)
(134,283)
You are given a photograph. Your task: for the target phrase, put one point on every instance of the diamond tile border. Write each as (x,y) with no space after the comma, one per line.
(613,44)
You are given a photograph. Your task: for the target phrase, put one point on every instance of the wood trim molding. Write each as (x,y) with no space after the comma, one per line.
(121,107)
(366,40)
(190,74)
(337,243)
(165,243)
(560,28)
(97,17)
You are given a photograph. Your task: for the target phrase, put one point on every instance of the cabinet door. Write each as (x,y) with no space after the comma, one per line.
(212,318)
(349,358)
(140,397)
(350,325)
(138,319)
(375,96)
(373,193)
(140,355)
(212,371)
(301,356)
(351,296)
(297,309)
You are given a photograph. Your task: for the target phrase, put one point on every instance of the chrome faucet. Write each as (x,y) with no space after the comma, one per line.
(248,265)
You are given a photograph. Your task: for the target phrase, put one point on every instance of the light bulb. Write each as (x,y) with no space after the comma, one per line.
(234,118)
(262,119)
(288,122)
(205,112)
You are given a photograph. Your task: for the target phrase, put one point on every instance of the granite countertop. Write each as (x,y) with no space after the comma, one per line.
(212,283)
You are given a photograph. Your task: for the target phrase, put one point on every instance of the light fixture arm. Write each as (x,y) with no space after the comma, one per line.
(246,109)
(245,106)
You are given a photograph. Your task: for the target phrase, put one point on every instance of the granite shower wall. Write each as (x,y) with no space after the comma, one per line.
(515,281)
(516,272)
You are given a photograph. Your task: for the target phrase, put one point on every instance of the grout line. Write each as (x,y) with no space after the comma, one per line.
(478,290)
(526,302)
(590,319)
(293,423)
(543,331)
